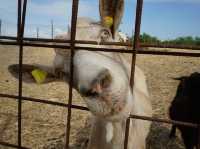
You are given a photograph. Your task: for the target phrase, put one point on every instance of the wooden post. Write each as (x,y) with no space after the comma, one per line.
(52,29)
(0,26)
(37,30)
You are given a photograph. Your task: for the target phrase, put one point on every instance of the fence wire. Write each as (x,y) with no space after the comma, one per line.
(133,48)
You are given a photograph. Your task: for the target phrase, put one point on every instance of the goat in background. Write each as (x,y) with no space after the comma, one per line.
(185,107)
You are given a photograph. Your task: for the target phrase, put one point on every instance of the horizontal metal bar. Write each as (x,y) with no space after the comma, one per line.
(44,101)
(86,109)
(11,145)
(160,45)
(164,121)
(127,44)
(46,40)
(140,51)
(168,53)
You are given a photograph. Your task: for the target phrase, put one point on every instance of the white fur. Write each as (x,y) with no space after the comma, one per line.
(108,129)
(109,132)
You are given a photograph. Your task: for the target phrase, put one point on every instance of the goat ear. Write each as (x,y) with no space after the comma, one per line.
(113,9)
(26,73)
(102,81)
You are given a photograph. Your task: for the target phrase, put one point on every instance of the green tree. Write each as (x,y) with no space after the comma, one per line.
(146,38)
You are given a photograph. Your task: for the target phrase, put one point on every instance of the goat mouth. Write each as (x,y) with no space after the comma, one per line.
(105,106)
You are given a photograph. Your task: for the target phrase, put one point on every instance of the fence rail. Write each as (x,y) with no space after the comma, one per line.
(135,48)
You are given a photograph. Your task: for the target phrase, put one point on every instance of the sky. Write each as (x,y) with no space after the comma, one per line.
(165,19)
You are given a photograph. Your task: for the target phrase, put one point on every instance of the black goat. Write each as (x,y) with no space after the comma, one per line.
(186,107)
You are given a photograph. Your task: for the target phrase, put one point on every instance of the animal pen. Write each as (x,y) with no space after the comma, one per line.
(136,48)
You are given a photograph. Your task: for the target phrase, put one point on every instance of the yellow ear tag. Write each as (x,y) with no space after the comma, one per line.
(108,21)
(39,75)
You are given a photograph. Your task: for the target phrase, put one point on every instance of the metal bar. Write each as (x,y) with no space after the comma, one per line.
(72,46)
(12,145)
(37,32)
(23,42)
(44,101)
(198,139)
(19,84)
(163,120)
(144,45)
(136,39)
(135,48)
(20,40)
(126,133)
(52,29)
(53,103)
(141,51)
(160,45)
(19,18)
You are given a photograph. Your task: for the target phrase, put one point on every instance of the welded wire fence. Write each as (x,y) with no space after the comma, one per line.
(134,48)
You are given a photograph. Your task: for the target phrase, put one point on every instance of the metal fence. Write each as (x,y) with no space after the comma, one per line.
(136,48)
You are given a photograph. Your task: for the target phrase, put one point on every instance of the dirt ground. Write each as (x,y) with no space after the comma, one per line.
(43,126)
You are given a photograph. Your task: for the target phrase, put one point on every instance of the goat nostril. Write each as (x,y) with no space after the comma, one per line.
(87,92)
(91,94)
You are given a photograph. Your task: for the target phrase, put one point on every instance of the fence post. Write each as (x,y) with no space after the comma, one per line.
(0,26)
(37,30)
(52,29)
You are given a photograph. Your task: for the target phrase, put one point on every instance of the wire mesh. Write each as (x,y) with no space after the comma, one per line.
(133,48)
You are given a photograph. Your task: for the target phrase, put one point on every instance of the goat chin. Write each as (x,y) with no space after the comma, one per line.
(114,103)
(113,138)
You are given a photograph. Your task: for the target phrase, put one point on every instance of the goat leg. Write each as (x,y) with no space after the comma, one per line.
(172,132)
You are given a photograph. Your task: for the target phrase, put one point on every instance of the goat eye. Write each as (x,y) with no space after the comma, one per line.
(91,94)
(105,33)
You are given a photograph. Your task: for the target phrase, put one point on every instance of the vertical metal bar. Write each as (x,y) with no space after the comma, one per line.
(19,101)
(198,143)
(135,47)
(19,18)
(52,29)
(37,30)
(73,35)
(21,25)
(136,39)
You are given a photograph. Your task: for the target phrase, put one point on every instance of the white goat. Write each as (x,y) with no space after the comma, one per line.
(102,78)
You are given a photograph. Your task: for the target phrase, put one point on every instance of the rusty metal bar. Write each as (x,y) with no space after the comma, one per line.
(20,40)
(144,45)
(53,103)
(19,36)
(72,46)
(136,39)
(140,51)
(135,48)
(190,47)
(198,139)
(126,133)
(19,18)
(44,101)
(12,145)
(163,120)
